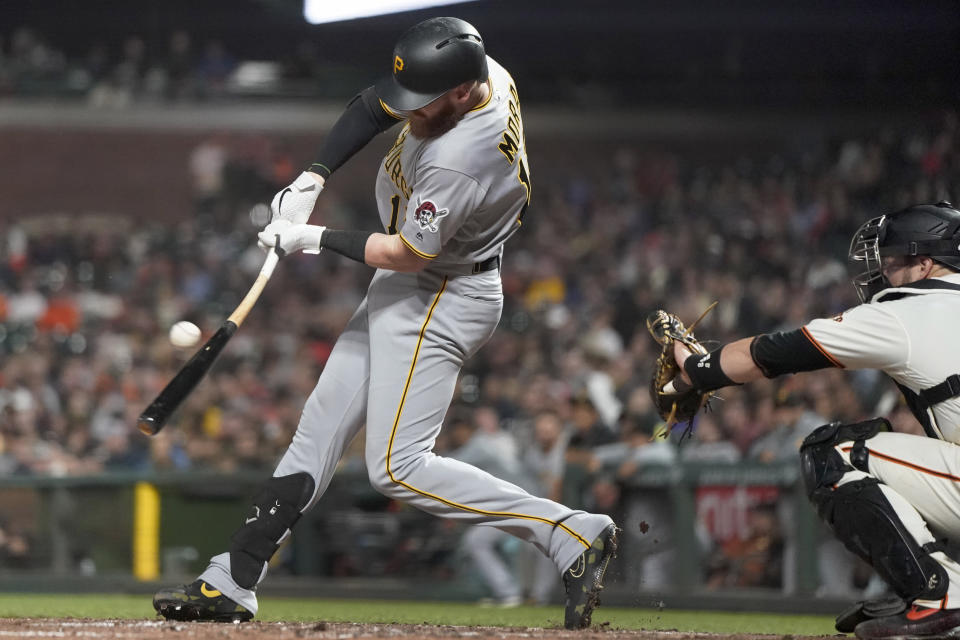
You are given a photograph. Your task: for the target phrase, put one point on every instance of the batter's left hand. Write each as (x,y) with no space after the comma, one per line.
(288,237)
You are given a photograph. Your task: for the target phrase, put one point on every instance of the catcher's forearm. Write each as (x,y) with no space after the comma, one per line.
(737,362)
(736,366)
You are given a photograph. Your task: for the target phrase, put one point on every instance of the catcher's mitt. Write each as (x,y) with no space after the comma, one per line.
(678,403)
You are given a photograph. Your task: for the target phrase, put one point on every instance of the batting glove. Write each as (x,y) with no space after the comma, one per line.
(295,203)
(288,237)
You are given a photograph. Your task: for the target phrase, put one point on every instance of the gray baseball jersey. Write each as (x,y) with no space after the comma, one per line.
(457,198)
(454,199)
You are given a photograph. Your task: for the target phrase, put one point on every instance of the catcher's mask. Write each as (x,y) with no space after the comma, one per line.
(921,230)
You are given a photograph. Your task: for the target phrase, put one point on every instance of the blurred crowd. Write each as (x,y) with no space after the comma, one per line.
(136,70)
(557,399)
(719,58)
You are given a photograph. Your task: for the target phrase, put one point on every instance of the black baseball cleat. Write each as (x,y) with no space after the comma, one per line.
(583,581)
(916,623)
(865,610)
(198,601)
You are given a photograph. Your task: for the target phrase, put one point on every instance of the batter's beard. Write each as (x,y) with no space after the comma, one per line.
(436,125)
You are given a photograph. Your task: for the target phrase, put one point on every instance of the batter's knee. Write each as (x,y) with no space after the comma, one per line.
(376,460)
(381,481)
(822,466)
(387,469)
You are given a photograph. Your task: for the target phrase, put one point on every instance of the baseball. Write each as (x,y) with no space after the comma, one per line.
(184,334)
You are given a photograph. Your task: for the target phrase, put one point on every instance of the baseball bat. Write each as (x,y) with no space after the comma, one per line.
(153,418)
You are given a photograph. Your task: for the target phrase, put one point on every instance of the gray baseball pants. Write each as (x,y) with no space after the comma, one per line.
(394,368)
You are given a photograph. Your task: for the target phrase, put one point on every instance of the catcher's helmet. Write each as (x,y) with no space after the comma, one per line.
(429,59)
(921,230)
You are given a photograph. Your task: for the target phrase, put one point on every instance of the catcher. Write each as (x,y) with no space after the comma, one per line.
(891,498)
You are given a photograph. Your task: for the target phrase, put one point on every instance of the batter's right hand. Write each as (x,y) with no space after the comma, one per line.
(295,203)
(287,237)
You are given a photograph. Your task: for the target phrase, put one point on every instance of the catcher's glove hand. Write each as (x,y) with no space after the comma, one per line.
(675,400)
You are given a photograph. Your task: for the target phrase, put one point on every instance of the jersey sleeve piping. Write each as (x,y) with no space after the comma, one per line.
(415,250)
(489,97)
(826,354)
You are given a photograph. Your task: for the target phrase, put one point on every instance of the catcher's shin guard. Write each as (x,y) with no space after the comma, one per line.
(866,523)
(276,508)
(861,515)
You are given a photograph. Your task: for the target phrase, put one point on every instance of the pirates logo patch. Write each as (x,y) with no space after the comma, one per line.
(427,215)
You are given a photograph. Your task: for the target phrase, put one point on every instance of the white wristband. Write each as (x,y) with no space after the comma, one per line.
(311,238)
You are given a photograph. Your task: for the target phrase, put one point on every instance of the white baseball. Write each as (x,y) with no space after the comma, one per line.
(184,334)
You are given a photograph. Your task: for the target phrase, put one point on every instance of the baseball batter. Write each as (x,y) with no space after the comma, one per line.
(891,498)
(450,191)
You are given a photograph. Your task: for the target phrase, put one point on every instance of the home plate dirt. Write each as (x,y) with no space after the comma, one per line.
(156,629)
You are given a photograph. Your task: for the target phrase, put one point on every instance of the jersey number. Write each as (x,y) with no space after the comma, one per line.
(395,205)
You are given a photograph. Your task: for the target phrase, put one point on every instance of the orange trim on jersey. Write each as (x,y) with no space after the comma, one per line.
(909,465)
(390,112)
(489,97)
(415,250)
(820,348)
(450,503)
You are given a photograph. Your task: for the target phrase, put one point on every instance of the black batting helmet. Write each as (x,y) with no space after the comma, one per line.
(921,230)
(429,59)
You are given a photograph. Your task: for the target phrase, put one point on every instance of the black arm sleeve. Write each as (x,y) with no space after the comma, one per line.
(363,119)
(352,244)
(787,352)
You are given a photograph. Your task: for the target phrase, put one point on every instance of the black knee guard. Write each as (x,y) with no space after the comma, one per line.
(861,516)
(866,523)
(822,466)
(276,508)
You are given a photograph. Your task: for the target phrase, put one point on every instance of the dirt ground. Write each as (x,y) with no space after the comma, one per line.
(154,630)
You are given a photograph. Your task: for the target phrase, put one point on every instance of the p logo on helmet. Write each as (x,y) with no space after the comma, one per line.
(429,59)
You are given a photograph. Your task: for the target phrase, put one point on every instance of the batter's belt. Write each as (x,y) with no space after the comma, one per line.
(468,269)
